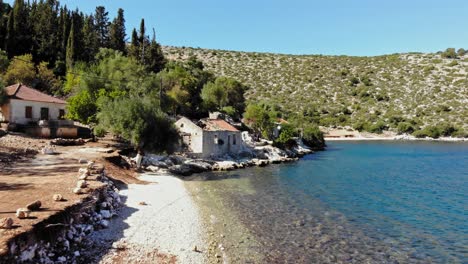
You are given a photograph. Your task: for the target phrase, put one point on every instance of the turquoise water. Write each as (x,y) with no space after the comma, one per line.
(376,202)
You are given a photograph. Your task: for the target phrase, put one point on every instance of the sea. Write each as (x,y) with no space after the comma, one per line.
(355,202)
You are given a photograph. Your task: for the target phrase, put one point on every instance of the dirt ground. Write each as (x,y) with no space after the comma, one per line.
(25,177)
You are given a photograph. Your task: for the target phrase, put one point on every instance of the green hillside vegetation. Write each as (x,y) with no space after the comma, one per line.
(405,93)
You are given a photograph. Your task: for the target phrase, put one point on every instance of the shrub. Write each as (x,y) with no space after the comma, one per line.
(405,127)
(378,127)
(449,53)
(313,137)
(286,136)
(430,131)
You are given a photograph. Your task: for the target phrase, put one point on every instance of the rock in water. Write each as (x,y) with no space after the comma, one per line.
(6,223)
(22,213)
(81,184)
(106,214)
(34,206)
(57,197)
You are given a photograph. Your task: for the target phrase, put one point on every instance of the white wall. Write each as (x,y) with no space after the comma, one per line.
(184,125)
(18,111)
(210,147)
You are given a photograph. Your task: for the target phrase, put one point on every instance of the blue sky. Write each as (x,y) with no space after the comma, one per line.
(334,27)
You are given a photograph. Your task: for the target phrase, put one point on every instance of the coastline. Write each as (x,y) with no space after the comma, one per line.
(158,221)
(396,138)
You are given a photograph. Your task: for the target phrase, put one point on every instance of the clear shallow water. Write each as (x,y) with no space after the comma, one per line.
(378,202)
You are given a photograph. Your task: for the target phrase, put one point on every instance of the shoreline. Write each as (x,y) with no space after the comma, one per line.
(158,221)
(397,138)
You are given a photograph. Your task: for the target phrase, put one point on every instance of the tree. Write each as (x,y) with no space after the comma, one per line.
(449,53)
(102,26)
(90,39)
(224,92)
(44,26)
(134,48)
(155,60)
(46,80)
(258,119)
(117,32)
(3,94)
(139,121)
(214,96)
(286,137)
(70,54)
(21,35)
(21,70)
(461,52)
(4,62)
(313,137)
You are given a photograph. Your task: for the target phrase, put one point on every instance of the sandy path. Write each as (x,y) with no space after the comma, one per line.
(165,230)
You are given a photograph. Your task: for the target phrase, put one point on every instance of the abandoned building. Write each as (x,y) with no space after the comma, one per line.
(209,137)
(36,113)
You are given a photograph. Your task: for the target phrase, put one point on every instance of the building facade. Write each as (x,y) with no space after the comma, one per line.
(210,137)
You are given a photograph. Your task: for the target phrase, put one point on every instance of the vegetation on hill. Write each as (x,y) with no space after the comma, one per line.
(405,93)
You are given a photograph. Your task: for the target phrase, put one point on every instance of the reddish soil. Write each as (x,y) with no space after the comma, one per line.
(25,178)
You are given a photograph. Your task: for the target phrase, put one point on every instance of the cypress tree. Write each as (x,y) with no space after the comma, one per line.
(117,32)
(22,36)
(134,48)
(10,35)
(102,26)
(156,60)
(91,45)
(70,55)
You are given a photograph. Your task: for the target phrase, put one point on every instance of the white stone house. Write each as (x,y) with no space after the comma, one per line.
(42,114)
(210,137)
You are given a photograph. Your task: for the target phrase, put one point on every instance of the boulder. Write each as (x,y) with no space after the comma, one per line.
(22,213)
(106,214)
(78,191)
(57,197)
(184,170)
(6,223)
(34,206)
(84,171)
(81,184)
(83,177)
(104,223)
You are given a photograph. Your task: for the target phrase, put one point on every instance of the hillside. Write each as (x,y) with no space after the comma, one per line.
(419,89)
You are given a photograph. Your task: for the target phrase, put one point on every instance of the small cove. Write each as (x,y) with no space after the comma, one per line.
(382,202)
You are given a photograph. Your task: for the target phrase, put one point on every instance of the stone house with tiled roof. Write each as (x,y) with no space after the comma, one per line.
(209,137)
(39,113)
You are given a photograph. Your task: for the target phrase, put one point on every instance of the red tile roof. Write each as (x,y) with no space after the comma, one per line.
(22,92)
(218,125)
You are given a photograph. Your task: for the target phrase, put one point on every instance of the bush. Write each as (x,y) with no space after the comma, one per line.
(405,127)
(449,53)
(378,127)
(286,136)
(430,131)
(313,137)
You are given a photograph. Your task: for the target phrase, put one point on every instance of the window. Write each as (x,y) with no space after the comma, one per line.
(216,139)
(181,125)
(233,139)
(61,114)
(28,112)
(44,113)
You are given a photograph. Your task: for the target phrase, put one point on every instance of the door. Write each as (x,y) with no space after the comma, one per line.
(44,113)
